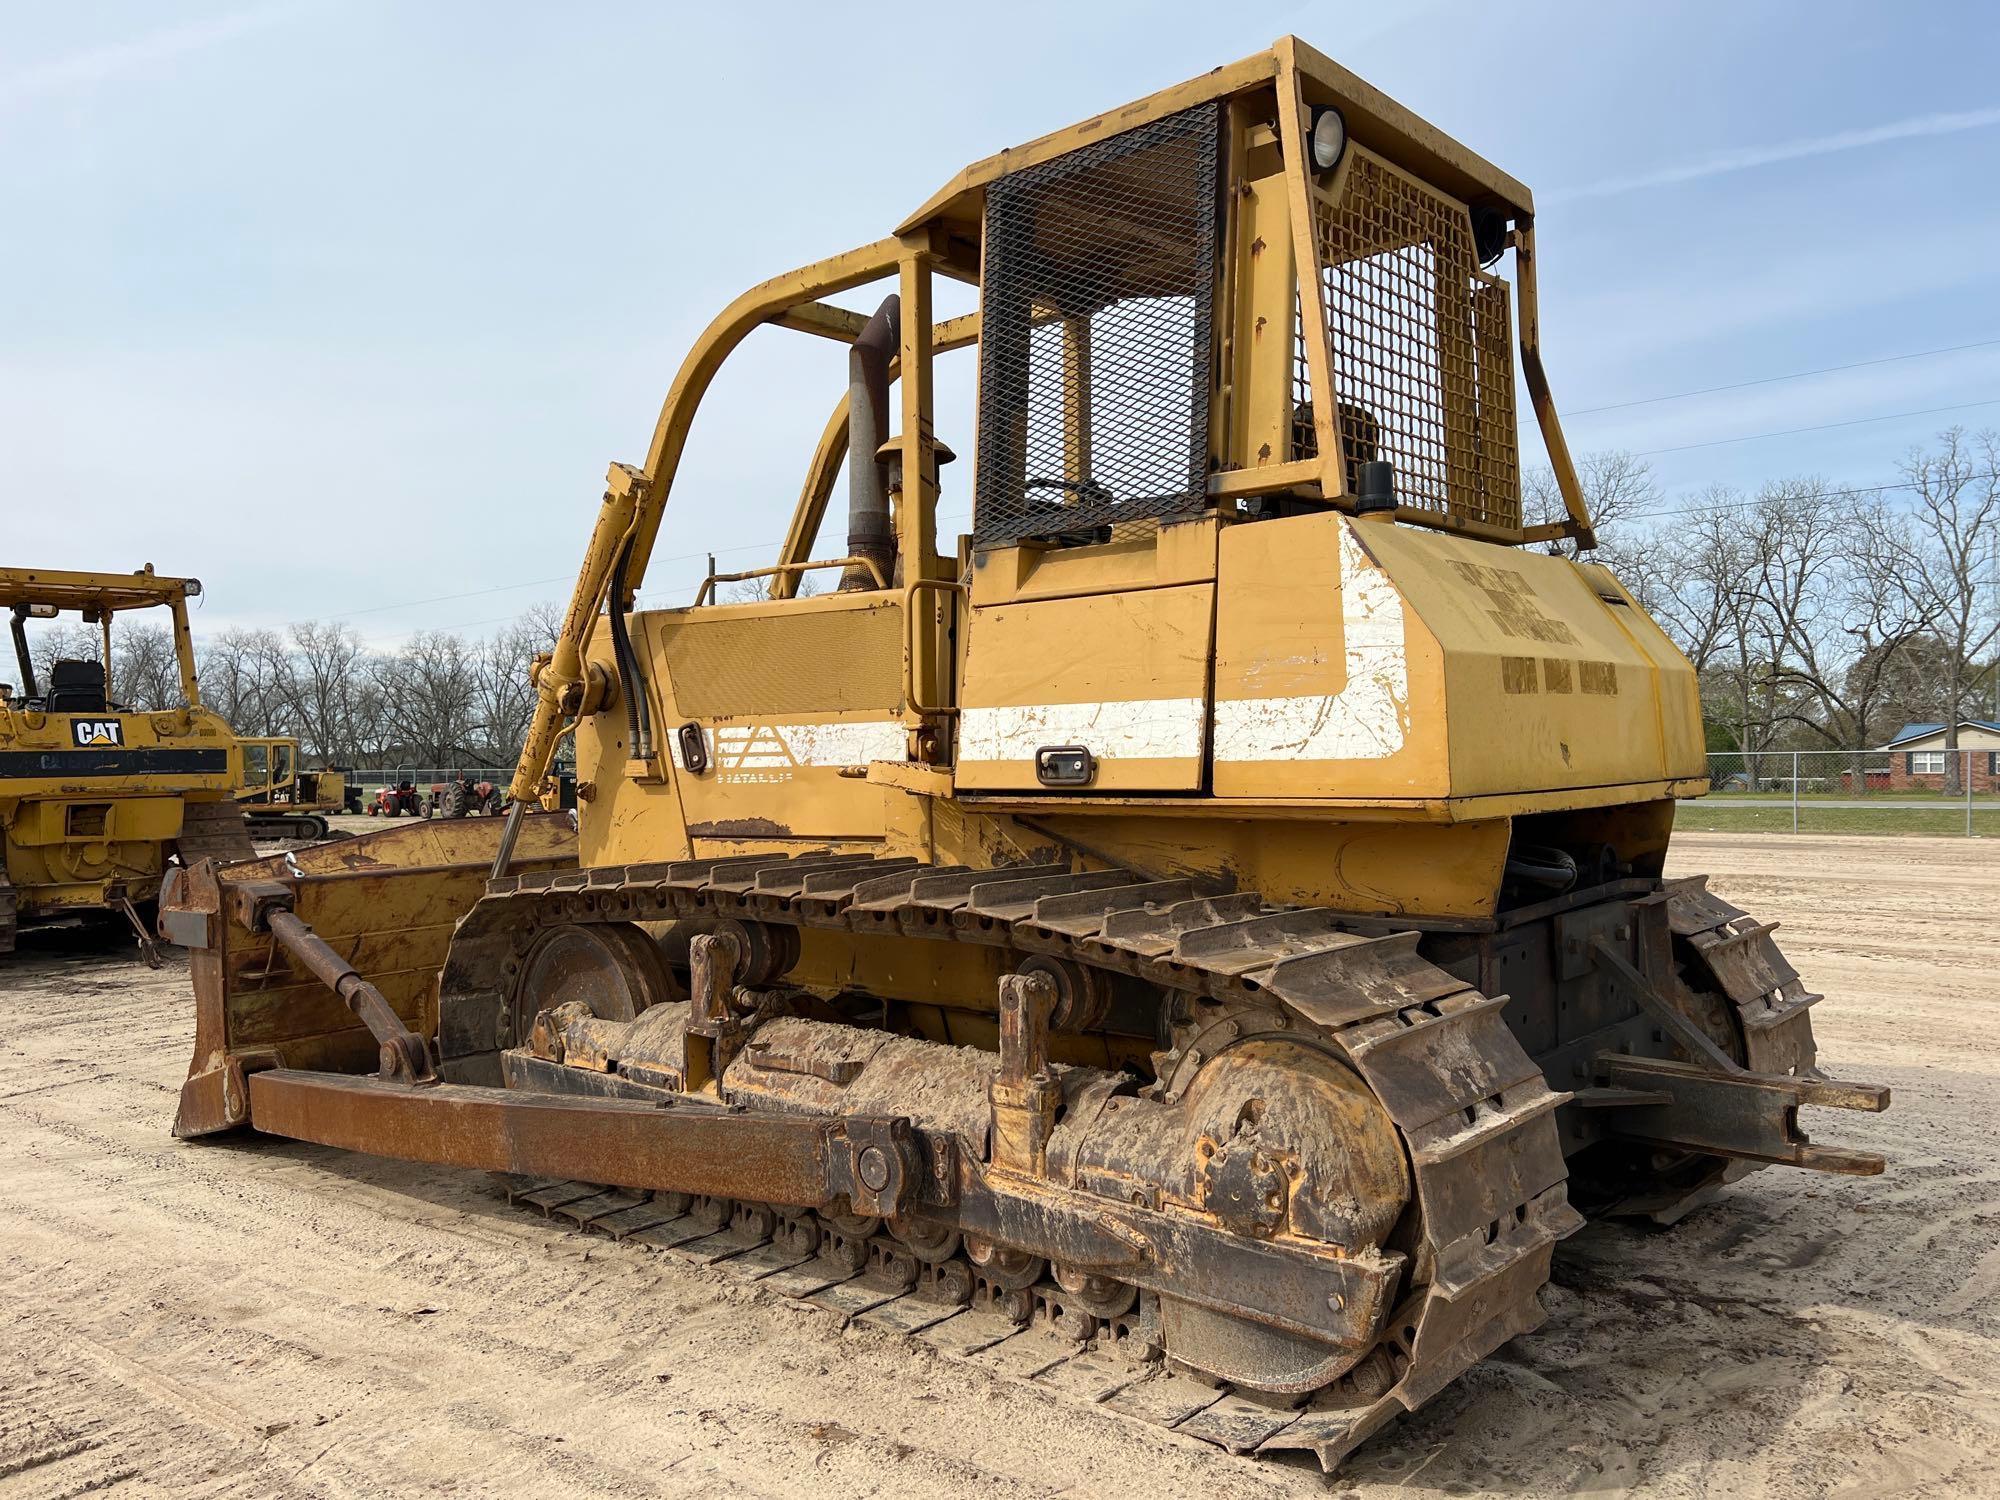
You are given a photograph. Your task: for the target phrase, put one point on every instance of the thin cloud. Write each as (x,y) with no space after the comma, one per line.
(144,54)
(1746,157)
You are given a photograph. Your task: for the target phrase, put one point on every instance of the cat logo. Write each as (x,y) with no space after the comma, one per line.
(94,732)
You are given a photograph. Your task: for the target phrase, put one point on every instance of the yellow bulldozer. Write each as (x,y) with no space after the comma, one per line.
(281,801)
(96,797)
(1205,925)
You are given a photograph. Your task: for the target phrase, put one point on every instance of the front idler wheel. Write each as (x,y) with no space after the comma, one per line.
(613,969)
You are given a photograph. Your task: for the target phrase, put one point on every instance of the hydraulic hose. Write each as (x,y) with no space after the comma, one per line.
(631,684)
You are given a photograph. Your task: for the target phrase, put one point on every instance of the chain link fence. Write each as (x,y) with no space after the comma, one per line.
(423,778)
(1929,791)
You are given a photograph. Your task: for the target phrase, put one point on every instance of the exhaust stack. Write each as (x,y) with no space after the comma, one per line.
(870,533)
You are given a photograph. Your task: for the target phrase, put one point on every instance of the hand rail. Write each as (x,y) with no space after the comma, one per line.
(708,583)
(910,591)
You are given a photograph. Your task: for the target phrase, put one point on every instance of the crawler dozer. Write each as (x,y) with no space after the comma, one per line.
(96,797)
(1208,922)
(280,801)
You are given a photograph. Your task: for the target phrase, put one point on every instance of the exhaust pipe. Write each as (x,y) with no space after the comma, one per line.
(26,662)
(870,533)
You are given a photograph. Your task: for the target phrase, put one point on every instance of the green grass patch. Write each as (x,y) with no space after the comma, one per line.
(1898,794)
(1741,815)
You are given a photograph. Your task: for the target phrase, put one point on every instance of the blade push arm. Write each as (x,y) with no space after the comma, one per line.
(558,686)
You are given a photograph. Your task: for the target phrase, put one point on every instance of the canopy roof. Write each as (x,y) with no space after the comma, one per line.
(1372,118)
(93,592)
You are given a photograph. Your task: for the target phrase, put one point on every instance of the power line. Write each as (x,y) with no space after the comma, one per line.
(1740,385)
(498,588)
(1715,507)
(1751,437)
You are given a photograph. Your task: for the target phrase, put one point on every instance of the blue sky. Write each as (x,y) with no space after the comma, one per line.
(346,306)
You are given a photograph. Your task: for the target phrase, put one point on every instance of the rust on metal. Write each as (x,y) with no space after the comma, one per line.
(386,903)
(770,1158)
(1741,1115)
(404,1055)
(739,828)
(1024,1092)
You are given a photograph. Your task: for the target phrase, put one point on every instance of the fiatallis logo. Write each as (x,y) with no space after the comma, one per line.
(97,731)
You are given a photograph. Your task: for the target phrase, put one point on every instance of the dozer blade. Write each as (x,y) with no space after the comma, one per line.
(385,903)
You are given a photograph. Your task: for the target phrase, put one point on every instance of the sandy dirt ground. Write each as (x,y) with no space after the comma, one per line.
(262,1318)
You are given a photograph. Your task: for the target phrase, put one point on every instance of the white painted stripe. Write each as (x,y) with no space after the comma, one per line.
(1368,718)
(1134,729)
(846,744)
(784,747)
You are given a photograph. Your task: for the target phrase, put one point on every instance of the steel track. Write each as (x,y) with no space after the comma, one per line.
(1736,954)
(1038,1335)
(1480,1135)
(1476,1117)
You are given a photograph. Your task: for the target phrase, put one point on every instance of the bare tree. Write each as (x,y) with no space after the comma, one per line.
(145,670)
(322,676)
(1805,610)
(503,698)
(541,623)
(143,673)
(1618,490)
(754,590)
(1834,628)
(242,675)
(1699,579)
(60,640)
(428,691)
(1937,559)
(1686,575)
(1905,670)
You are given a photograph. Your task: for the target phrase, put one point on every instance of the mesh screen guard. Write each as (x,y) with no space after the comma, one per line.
(816,662)
(1095,341)
(1422,346)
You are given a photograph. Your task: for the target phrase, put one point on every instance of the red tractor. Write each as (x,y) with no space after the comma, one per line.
(397,801)
(464,797)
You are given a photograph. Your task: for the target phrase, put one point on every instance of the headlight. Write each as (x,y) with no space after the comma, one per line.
(1327,142)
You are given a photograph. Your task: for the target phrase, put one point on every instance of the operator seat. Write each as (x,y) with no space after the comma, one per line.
(76,687)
